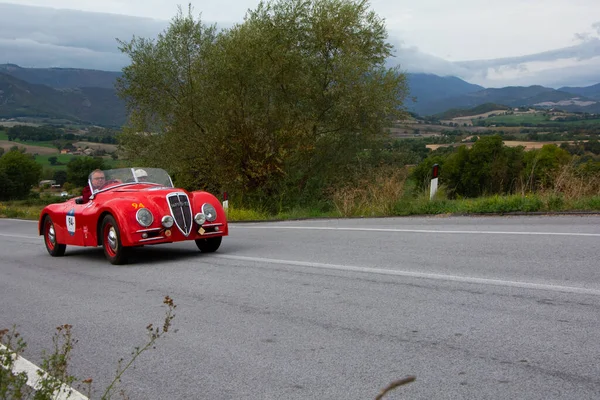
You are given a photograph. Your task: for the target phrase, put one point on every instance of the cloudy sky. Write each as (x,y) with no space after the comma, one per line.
(509,42)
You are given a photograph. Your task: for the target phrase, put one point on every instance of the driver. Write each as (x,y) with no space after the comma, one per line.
(98,180)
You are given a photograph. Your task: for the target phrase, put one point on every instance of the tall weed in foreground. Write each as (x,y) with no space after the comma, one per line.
(374,195)
(53,378)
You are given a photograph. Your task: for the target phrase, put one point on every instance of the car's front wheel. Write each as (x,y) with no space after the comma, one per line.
(54,248)
(209,245)
(111,241)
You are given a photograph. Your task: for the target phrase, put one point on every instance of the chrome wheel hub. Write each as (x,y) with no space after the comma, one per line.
(51,234)
(112,239)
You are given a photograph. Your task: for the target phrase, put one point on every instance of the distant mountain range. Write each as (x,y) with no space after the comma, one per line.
(593,92)
(89,96)
(78,95)
(63,78)
(455,93)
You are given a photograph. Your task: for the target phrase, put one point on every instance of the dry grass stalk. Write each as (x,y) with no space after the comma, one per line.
(374,195)
(394,385)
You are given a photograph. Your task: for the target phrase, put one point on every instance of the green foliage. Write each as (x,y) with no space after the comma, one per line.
(275,109)
(542,166)
(60,177)
(489,167)
(78,169)
(18,173)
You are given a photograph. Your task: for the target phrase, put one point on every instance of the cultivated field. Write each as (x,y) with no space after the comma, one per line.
(109,148)
(6,145)
(509,143)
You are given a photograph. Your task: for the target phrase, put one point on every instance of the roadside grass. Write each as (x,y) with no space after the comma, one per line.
(388,192)
(538,203)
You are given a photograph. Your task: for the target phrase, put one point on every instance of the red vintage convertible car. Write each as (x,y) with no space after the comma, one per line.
(131,207)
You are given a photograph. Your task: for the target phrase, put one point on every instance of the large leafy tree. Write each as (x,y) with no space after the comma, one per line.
(281,104)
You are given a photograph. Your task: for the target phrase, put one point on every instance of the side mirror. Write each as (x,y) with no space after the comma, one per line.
(79,200)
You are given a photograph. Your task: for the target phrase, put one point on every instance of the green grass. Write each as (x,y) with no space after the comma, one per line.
(3,135)
(582,122)
(518,119)
(65,158)
(30,209)
(61,158)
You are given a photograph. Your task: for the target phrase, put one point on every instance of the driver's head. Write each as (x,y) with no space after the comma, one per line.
(97,178)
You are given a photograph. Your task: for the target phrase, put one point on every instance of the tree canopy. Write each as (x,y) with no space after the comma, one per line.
(281,105)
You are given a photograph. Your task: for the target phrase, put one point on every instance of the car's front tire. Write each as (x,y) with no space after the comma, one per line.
(54,248)
(111,241)
(209,245)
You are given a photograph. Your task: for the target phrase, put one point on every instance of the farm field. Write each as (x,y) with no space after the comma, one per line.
(519,119)
(32,149)
(509,143)
(109,148)
(538,118)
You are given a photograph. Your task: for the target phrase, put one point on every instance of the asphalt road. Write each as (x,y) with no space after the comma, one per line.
(475,308)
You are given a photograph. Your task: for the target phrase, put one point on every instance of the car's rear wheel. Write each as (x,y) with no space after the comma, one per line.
(209,245)
(111,241)
(54,248)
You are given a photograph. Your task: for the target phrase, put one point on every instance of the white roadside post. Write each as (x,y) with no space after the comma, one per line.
(225,201)
(434,181)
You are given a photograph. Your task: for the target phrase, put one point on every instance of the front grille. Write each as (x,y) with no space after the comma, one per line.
(181,211)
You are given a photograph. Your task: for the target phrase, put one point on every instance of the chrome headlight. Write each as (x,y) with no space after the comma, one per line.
(144,217)
(200,218)
(167,221)
(209,211)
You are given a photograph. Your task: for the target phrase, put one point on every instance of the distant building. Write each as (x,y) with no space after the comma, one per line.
(48,182)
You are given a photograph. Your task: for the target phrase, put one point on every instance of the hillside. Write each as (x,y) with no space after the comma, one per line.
(93,105)
(428,88)
(88,96)
(481,109)
(515,96)
(61,78)
(592,92)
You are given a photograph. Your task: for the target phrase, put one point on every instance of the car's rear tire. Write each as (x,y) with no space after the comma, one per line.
(209,245)
(54,248)
(111,241)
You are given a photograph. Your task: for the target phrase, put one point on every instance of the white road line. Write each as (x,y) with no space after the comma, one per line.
(326,228)
(33,377)
(422,275)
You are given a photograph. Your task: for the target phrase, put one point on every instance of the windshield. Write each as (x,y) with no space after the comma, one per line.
(100,180)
